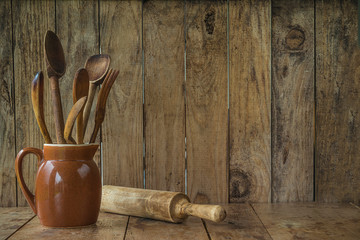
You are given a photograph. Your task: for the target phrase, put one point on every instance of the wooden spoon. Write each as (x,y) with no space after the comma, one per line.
(37,90)
(101,103)
(55,61)
(74,112)
(80,89)
(97,67)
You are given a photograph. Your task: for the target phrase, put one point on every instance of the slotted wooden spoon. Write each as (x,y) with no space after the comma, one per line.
(97,67)
(101,102)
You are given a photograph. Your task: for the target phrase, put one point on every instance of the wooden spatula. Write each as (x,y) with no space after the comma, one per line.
(80,89)
(37,90)
(74,112)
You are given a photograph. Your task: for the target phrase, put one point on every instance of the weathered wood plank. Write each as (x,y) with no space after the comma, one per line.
(337,106)
(164,107)
(143,228)
(7,124)
(292,100)
(241,223)
(109,226)
(11,219)
(122,132)
(310,220)
(78,30)
(250,148)
(29,30)
(206,101)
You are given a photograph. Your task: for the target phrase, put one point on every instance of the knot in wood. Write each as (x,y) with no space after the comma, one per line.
(240,185)
(210,21)
(295,38)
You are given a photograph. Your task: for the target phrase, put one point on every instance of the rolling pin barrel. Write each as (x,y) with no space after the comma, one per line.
(160,205)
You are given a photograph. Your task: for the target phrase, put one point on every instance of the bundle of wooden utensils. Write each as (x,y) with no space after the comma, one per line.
(161,205)
(86,80)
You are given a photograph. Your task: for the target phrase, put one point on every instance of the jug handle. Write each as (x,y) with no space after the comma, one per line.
(30,198)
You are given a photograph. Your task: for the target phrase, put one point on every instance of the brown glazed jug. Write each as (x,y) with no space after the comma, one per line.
(68,184)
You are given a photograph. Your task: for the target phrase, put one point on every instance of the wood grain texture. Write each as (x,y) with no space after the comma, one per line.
(250,101)
(122,135)
(7,111)
(11,219)
(337,106)
(310,220)
(259,221)
(143,228)
(164,107)
(206,101)
(241,223)
(108,226)
(78,29)
(292,100)
(29,30)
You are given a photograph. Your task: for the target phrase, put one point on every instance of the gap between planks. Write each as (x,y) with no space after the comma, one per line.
(252,207)
(207,232)
(18,229)
(126,228)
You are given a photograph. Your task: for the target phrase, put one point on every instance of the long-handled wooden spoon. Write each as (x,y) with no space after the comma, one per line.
(55,60)
(37,90)
(101,103)
(74,112)
(80,89)
(97,67)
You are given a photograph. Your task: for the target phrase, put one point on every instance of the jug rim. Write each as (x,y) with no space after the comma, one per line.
(69,145)
(70,151)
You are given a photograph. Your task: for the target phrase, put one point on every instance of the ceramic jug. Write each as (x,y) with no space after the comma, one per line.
(68,184)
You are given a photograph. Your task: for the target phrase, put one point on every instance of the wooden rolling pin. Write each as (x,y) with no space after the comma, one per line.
(160,205)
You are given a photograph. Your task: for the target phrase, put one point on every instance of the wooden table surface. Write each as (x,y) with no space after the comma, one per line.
(244,221)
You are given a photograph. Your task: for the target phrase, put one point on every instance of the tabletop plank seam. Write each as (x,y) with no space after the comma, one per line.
(207,232)
(20,227)
(126,228)
(261,221)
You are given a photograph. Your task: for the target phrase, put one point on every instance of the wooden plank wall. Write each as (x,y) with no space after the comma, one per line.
(229,101)
(121,38)
(7,111)
(292,108)
(206,100)
(249,94)
(164,100)
(337,106)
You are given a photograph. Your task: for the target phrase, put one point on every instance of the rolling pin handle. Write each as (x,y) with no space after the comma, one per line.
(214,213)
